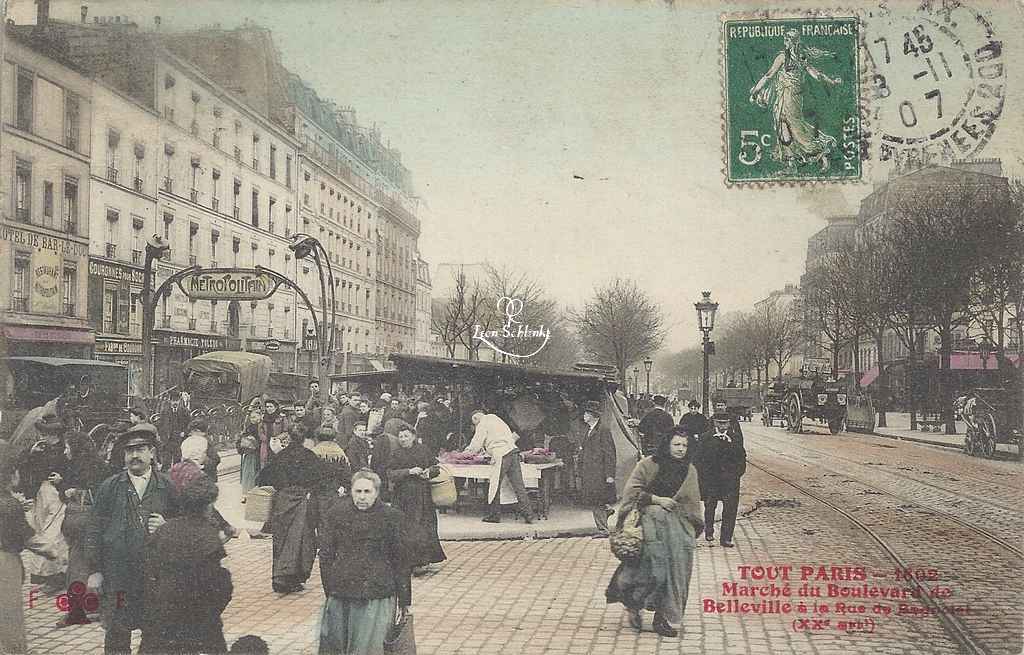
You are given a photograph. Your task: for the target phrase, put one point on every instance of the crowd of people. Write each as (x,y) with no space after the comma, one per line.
(134,519)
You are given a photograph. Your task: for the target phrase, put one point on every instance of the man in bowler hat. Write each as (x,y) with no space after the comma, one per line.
(597,466)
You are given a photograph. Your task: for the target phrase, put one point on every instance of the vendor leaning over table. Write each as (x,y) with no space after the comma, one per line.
(494,437)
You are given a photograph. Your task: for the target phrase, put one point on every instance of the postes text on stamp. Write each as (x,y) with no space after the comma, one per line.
(792,99)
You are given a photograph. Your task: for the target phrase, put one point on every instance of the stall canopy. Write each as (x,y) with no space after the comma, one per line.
(252,370)
(590,382)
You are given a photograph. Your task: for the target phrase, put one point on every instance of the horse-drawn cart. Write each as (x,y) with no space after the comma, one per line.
(739,402)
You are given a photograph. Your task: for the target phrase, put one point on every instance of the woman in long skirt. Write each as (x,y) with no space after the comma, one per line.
(248,446)
(365,571)
(664,488)
(410,468)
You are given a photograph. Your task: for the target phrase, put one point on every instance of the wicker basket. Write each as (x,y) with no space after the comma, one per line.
(257,504)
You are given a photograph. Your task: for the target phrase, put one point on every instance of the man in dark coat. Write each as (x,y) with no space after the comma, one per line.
(296,474)
(128,506)
(655,426)
(173,424)
(347,419)
(693,422)
(597,466)
(723,461)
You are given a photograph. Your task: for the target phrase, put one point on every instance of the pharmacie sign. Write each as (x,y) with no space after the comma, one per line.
(228,284)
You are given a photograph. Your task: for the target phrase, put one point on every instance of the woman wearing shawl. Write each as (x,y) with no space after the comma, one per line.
(248,446)
(664,487)
(410,468)
(782,89)
(42,471)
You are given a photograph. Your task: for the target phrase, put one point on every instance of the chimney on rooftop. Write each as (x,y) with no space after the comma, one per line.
(85,12)
(42,12)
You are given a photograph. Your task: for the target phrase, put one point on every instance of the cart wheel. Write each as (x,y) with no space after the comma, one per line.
(837,425)
(794,415)
(969,446)
(988,436)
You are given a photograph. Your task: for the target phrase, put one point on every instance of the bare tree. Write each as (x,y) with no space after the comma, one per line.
(945,231)
(826,292)
(453,318)
(781,331)
(620,324)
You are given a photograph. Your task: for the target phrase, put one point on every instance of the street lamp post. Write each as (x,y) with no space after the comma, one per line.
(706,309)
(648,363)
(307,247)
(636,381)
(156,248)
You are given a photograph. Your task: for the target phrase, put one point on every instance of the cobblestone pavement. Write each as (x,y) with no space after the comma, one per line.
(547,595)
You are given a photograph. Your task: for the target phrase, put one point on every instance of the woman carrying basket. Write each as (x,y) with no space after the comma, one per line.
(663,489)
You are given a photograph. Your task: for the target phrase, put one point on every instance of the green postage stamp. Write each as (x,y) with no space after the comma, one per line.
(792,101)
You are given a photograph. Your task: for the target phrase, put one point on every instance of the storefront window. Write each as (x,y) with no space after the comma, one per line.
(19,285)
(110,310)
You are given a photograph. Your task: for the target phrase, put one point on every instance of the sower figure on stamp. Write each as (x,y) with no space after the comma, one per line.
(722,462)
(796,140)
(129,506)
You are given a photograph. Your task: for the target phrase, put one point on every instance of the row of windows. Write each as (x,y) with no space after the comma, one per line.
(25,107)
(24,192)
(256,151)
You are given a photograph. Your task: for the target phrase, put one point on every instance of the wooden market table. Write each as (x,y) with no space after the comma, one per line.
(538,478)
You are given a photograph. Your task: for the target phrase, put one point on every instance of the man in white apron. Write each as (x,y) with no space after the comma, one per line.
(494,437)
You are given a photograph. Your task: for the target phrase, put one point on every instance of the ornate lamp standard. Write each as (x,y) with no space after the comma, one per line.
(648,363)
(156,248)
(706,309)
(636,381)
(307,247)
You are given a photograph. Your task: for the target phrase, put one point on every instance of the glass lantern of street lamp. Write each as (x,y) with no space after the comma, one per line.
(648,363)
(706,309)
(302,246)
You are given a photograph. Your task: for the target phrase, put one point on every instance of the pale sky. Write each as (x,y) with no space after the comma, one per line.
(496,106)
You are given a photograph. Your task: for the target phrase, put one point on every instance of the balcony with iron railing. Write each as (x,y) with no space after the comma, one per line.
(192,259)
(70,227)
(22,214)
(237,212)
(193,195)
(137,184)
(169,185)
(192,325)
(137,257)
(213,327)
(270,330)
(166,322)
(215,204)
(69,309)
(111,250)
(112,175)
(19,303)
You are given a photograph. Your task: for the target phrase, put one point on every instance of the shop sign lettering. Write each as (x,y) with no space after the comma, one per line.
(20,237)
(114,272)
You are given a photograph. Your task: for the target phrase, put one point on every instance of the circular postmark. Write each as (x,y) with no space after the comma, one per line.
(936,82)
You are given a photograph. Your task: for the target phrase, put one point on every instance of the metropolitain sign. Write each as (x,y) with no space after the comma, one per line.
(228,284)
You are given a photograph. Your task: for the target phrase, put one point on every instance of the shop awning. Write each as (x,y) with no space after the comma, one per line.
(975,362)
(870,376)
(48,334)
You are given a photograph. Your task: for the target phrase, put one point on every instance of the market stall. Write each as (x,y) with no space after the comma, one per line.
(541,406)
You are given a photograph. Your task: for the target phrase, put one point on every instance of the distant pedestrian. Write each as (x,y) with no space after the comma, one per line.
(410,469)
(723,461)
(296,474)
(172,426)
(347,419)
(186,588)
(664,488)
(370,451)
(248,447)
(693,422)
(365,571)
(597,465)
(655,426)
(273,425)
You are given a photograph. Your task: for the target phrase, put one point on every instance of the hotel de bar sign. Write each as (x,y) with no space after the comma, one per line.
(228,284)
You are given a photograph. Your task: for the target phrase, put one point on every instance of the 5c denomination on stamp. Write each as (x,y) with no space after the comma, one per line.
(792,99)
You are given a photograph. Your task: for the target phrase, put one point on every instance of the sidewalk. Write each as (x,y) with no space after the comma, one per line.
(899,428)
